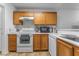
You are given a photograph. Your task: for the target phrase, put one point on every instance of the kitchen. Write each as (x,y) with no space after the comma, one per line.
(49,29)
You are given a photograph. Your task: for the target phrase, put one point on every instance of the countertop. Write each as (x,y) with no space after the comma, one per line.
(41,33)
(67,40)
(31,33)
(58,36)
(13,33)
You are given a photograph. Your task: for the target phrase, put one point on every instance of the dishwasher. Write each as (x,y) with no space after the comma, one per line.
(52,45)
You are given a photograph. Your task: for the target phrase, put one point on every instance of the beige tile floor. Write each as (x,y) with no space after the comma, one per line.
(42,53)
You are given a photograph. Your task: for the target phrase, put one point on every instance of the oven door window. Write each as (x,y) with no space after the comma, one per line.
(25,39)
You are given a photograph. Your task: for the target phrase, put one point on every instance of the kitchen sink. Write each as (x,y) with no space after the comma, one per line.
(70,37)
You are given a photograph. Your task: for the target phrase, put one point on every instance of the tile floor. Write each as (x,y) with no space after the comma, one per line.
(42,53)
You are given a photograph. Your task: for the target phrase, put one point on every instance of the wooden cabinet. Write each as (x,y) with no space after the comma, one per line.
(39,18)
(59,48)
(64,49)
(44,42)
(16,18)
(51,18)
(40,42)
(36,42)
(76,51)
(18,14)
(46,18)
(12,42)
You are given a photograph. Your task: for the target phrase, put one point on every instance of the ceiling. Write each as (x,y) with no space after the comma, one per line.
(45,5)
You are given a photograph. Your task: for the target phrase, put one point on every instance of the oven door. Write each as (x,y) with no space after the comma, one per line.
(25,40)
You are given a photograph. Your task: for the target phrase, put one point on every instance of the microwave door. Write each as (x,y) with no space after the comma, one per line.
(45,29)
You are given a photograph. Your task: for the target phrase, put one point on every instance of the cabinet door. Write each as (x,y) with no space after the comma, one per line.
(16,18)
(12,42)
(76,51)
(51,18)
(36,42)
(18,14)
(64,49)
(44,42)
(59,48)
(39,18)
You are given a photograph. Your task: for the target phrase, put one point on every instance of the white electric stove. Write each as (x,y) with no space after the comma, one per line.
(25,40)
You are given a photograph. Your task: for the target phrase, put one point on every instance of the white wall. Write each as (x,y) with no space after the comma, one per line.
(8,23)
(67,18)
(38,10)
(0,25)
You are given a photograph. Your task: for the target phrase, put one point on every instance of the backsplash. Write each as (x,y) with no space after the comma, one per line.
(69,31)
(28,24)
(52,27)
(75,26)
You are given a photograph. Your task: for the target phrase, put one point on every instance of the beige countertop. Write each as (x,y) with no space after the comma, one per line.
(58,36)
(67,40)
(32,33)
(41,33)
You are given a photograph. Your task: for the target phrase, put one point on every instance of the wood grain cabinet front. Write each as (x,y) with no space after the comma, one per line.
(64,49)
(40,42)
(44,42)
(50,18)
(45,18)
(18,14)
(36,42)
(12,42)
(39,18)
(76,51)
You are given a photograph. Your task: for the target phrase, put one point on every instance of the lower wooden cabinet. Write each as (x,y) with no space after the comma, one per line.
(44,42)
(36,42)
(59,48)
(40,42)
(76,51)
(12,42)
(64,49)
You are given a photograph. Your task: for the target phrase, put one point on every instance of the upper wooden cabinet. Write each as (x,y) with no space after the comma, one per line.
(51,18)
(39,18)
(18,14)
(46,18)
